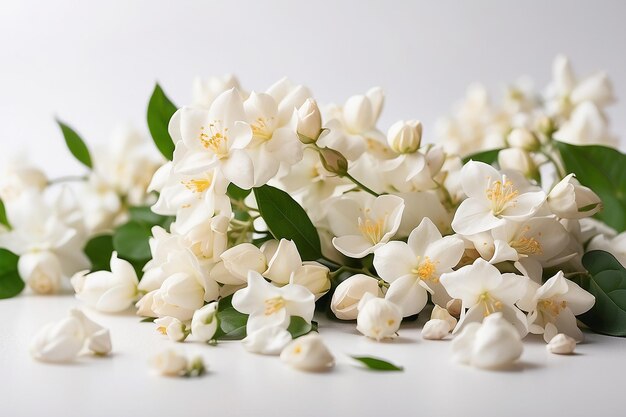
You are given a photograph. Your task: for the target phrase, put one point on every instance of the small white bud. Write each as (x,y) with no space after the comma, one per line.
(561,344)
(435,329)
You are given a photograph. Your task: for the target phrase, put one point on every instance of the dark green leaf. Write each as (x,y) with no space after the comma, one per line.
(488,157)
(299,327)
(3,216)
(131,241)
(286,219)
(604,171)
(144,214)
(76,145)
(237,193)
(148,320)
(160,111)
(232,323)
(607,282)
(10,282)
(99,250)
(377,364)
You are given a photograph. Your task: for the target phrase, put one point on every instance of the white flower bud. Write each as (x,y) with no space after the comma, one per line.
(169,363)
(435,329)
(405,136)
(173,328)
(570,200)
(523,139)
(494,343)
(204,322)
(454,307)
(144,305)
(309,122)
(314,276)
(308,353)
(347,295)
(443,314)
(98,338)
(59,342)
(109,292)
(41,271)
(180,295)
(267,340)
(378,318)
(561,344)
(518,160)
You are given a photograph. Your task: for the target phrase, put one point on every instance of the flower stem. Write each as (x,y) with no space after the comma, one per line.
(361,185)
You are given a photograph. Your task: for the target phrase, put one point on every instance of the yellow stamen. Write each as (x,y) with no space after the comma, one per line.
(273,305)
(199,185)
(426,270)
(261,129)
(372,230)
(215,140)
(490,304)
(501,193)
(552,307)
(526,245)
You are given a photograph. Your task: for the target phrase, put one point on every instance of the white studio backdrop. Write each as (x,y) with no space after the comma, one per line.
(94,64)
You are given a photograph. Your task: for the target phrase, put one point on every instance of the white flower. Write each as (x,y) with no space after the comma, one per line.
(308,353)
(309,120)
(615,245)
(180,295)
(414,268)
(18,176)
(523,139)
(41,271)
(237,261)
(267,340)
(553,307)
(378,318)
(561,344)
(493,344)
(494,197)
(405,136)
(362,223)
(173,328)
(144,305)
(215,139)
(59,342)
(98,338)
(483,291)
(109,292)
(268,305)
(205,91)
(570,200)
(169,363)
(208,240)
(349,293)
(435,329)
(518,160)
(204,322)
(313,276)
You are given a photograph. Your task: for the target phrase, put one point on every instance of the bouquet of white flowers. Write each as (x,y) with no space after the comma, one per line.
(269,211)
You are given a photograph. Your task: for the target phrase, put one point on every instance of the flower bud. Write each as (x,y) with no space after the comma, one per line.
(180,295)
(570,200)
(518,160)
(443,314)
(561,344)
(169,363)
(435,329)
(405,137)
(144,305)
(98,337)
(347,295)
(41,271)
(309,122)
(204,322)
(308,353)
(314,276)
(494,343)
(173,328)
(59,342)
(378,318)
(269,340)
(523,139)
(454,307)
(333,161)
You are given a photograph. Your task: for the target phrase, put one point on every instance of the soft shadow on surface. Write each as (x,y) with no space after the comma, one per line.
(519,366)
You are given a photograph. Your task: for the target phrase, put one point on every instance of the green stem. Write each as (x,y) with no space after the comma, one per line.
(361,185)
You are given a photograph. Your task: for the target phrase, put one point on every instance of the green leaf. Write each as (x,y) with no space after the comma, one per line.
(232,323)
(299,327)
(10,282)
(237,193)
(160,111)
(144,214)
(3,215)
(604,171)
(131,241)
(147,320)
(377,364)
(286,219)
(607,282)
(99,250)
(76,145)
(488,157)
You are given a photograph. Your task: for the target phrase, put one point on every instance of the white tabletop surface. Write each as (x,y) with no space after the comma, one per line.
(590,383)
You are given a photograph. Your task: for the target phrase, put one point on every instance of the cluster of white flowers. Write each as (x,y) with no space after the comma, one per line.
(399,224)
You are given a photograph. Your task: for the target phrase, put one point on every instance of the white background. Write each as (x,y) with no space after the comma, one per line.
(94,63)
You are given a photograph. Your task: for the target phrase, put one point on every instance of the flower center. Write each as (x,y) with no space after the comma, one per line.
(372,230)
(552,307)
(501,193)
(198,185)
(214,139)
(490,304)
(261,129)
(426,269)
(273,305)
(527,246)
